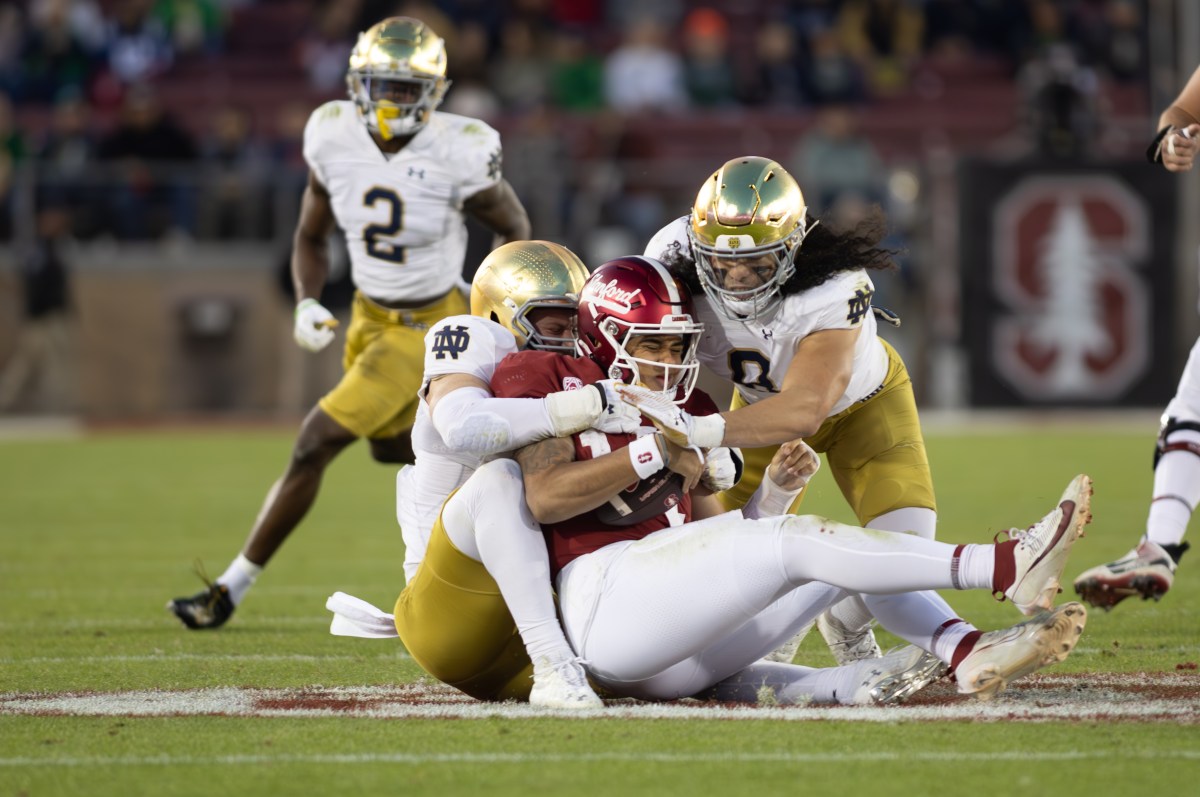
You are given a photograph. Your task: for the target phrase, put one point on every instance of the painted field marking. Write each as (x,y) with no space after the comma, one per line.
(1108,697)
(397,655)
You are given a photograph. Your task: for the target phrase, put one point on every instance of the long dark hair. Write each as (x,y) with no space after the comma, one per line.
(827,250)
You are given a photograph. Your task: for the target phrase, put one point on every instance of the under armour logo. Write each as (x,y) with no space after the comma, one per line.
(415,172)
(860,305)
(768,334)
(494,165)
(451,341)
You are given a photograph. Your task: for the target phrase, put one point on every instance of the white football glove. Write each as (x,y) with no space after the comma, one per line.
(680,427)
(722,469)
(314,325)
(596,406)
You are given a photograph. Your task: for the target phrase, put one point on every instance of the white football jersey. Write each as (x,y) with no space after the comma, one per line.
(461,344)
(755,355)
(402,214)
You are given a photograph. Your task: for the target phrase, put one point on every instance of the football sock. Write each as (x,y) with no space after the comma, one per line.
(239,577)
(982,566)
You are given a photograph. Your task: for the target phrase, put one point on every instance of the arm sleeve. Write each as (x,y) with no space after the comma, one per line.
(470,419)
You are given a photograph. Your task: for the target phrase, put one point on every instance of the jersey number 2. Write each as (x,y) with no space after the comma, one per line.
(374,234)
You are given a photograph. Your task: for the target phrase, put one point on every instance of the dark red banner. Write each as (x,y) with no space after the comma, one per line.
(1068,273)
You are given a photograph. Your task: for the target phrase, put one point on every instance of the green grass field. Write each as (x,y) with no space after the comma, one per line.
(97,533)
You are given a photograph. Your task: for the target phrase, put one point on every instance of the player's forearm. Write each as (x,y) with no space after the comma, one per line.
(1177,117)
(310,267)
(774,420)
(470,419)
(570,489)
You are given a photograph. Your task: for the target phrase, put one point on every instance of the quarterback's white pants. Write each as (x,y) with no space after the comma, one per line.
(853,612)
(685,608)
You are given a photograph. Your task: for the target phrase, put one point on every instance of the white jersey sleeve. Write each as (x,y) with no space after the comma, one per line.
(466,344)
(843,302)
(402,213)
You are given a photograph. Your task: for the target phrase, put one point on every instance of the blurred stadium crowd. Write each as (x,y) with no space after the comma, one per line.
(158,136)
(97,96)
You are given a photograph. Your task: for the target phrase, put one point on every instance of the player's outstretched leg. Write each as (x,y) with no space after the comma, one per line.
(999,657)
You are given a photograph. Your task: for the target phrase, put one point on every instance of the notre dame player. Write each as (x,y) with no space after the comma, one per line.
(787,317)
(477,611)
(397,177)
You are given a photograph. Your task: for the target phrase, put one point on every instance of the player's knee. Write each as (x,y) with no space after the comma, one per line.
(320,440)
(1177,434)
(500,477)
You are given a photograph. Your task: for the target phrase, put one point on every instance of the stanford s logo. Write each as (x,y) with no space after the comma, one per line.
(1075,320)
(453,342)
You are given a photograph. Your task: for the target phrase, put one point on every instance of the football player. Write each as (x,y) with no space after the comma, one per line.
(661,607)
(1149,569)
(397,177)
(477,611)
(786,306)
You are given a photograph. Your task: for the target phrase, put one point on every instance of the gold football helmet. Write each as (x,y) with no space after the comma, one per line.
(524,275)
(750,210)
(397,76)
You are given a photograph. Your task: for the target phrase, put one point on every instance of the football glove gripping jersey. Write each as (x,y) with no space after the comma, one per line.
(596,406)
(677,425)
(314,325)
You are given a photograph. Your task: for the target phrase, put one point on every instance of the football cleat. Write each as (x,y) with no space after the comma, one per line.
(1000,657)
(897,676)
(1148,570)
(1041,551)
(562,685)
(209,608)
(847,645)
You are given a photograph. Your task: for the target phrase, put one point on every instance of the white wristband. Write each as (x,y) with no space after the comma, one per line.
(770,499)
(646,456)
(708,431)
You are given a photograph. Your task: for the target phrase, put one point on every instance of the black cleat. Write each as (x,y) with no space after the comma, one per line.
(209,608)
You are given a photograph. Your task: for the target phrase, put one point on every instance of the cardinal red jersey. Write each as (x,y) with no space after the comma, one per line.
(649,505)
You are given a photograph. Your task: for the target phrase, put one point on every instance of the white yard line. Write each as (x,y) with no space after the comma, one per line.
(168,657)
(1106,697)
